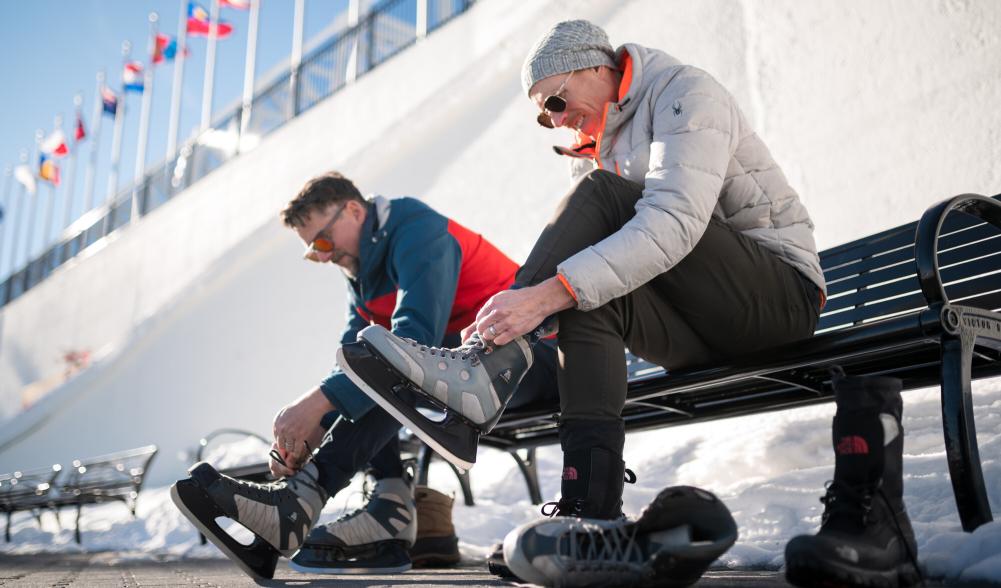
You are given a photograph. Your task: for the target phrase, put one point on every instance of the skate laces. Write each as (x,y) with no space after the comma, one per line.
(313,482)
(613,548)
(467,350)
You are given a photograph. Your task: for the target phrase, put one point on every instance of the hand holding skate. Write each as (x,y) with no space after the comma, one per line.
(512,313)
(297,428)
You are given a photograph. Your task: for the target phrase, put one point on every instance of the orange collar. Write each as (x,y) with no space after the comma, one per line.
(626,65)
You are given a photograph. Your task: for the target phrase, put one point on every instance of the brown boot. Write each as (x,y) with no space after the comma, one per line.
(436,544)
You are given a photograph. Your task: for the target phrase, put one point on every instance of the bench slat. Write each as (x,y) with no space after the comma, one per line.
(961,254)
(952,274)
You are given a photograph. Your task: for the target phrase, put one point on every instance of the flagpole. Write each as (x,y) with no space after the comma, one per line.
(175,93)
(8,173)
(116,139)
(147,107)
(248,69)
(210,68)
(50,206)
(71,166)
(354,15)
(95,129)
(16,237)
(298,20)
(33,211)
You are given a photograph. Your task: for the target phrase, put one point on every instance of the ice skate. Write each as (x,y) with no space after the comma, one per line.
(371,540)
(279,514)
(470,384)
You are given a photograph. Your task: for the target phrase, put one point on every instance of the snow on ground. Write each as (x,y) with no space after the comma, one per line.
(769,469)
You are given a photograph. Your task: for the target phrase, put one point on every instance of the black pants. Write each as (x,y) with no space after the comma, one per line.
(374,438)
(728,296)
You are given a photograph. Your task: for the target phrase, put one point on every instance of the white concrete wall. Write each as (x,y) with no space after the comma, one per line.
(206,318)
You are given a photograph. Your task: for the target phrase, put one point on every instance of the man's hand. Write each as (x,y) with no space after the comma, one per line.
(297,425)
(512,313)
(277,469)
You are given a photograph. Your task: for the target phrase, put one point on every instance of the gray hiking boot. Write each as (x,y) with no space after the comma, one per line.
(372,539)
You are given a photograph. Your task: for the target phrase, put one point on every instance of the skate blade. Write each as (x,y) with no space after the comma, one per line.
(258,560)
(360,351)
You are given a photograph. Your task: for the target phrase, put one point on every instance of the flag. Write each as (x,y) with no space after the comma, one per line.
(237,4)
(48,170)
(166,48)
(55,144)
(132,76)
(80,134)
(23,174)
(110,101)
(198,23)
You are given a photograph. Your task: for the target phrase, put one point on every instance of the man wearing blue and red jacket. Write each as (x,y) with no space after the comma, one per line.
(424,277)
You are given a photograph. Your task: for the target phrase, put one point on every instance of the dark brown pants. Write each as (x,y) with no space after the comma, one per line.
(729,296)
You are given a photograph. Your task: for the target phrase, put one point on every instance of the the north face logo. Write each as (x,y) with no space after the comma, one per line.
(506,376)
(292,517)
(852,445)
(569,473)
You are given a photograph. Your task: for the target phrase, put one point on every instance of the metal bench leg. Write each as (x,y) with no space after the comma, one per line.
(530,470)
(76,534)
(424,466)
(960,431)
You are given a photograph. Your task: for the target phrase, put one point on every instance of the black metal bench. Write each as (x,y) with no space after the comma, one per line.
(106,478)
(918,302)
(30,491)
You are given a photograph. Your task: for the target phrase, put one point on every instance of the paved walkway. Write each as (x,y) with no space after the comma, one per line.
(129,570)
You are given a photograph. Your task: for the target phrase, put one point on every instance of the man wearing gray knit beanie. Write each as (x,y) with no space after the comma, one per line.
(681,239)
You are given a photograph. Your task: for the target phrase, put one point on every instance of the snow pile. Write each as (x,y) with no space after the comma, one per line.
(769,469)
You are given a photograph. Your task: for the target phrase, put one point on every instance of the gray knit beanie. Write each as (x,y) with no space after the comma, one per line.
(568,46)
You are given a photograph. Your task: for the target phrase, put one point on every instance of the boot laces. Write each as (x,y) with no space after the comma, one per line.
(564,507)
(303,476)
(607,549)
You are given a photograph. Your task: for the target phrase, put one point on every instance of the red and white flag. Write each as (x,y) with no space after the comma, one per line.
(55,144)
(237,4)
(80,133)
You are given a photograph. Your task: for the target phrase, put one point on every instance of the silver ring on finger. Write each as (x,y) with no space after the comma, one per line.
(492,331)
(289,445)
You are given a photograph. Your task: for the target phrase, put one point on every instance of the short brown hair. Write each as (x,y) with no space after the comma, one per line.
(319,193)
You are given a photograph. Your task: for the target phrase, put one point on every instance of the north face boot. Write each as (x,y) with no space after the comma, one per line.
(865,538)
(372,539)
(593,474)
(436,544)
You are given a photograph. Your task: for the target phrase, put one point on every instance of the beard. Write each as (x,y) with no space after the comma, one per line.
(347,262)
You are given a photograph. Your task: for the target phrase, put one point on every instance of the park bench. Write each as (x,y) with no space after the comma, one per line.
(106,478)
(29,491)
(917,302)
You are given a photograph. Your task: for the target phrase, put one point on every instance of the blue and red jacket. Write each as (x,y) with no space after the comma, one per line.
(421,275)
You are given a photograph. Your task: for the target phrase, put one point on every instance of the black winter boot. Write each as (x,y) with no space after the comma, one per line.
(865,538)
(593,470)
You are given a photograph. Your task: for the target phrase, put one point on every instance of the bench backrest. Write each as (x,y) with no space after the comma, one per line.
(112,476)
(876,277)
(19,490)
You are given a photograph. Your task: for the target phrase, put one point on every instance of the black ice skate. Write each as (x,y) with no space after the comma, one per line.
(279,514)
(865,538)
(471,385)
(371,540)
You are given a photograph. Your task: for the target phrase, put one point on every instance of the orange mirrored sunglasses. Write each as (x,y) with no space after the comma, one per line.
(322,244)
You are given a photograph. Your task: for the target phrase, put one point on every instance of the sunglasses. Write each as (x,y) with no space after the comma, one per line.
(322,244)
(553,103)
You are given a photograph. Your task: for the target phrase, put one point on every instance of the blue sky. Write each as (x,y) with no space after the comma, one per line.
(53,49)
